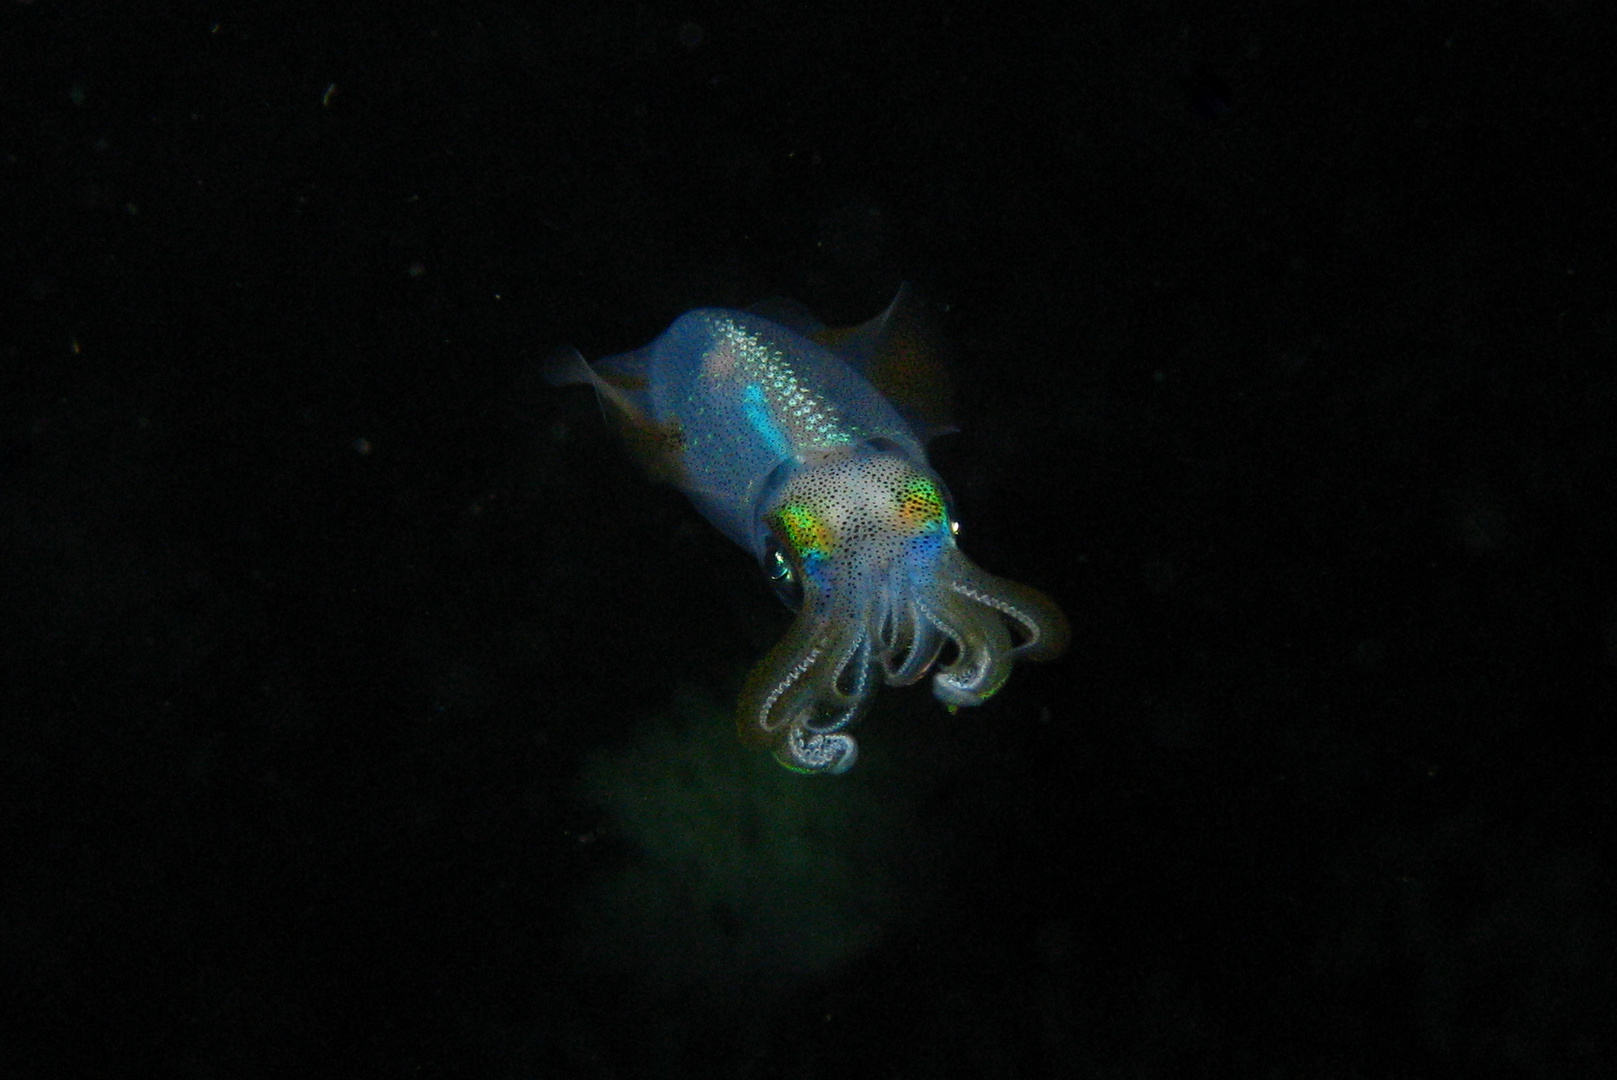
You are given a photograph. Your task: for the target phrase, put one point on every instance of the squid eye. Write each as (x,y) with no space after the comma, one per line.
(782,577)
(954,527)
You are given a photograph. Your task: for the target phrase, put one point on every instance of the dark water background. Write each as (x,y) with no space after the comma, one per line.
(366,713)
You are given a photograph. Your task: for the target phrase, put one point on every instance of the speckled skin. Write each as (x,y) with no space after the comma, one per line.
(786,446)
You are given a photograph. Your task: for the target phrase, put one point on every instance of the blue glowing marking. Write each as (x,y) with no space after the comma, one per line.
(756,410)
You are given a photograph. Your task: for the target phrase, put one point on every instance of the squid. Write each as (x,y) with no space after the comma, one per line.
(805,445)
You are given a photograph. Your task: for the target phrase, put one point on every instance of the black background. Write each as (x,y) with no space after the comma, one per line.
(366,713)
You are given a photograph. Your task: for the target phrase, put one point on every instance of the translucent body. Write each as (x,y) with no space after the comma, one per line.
(785,444)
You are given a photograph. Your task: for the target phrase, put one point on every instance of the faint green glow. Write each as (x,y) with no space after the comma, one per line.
(740,869)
